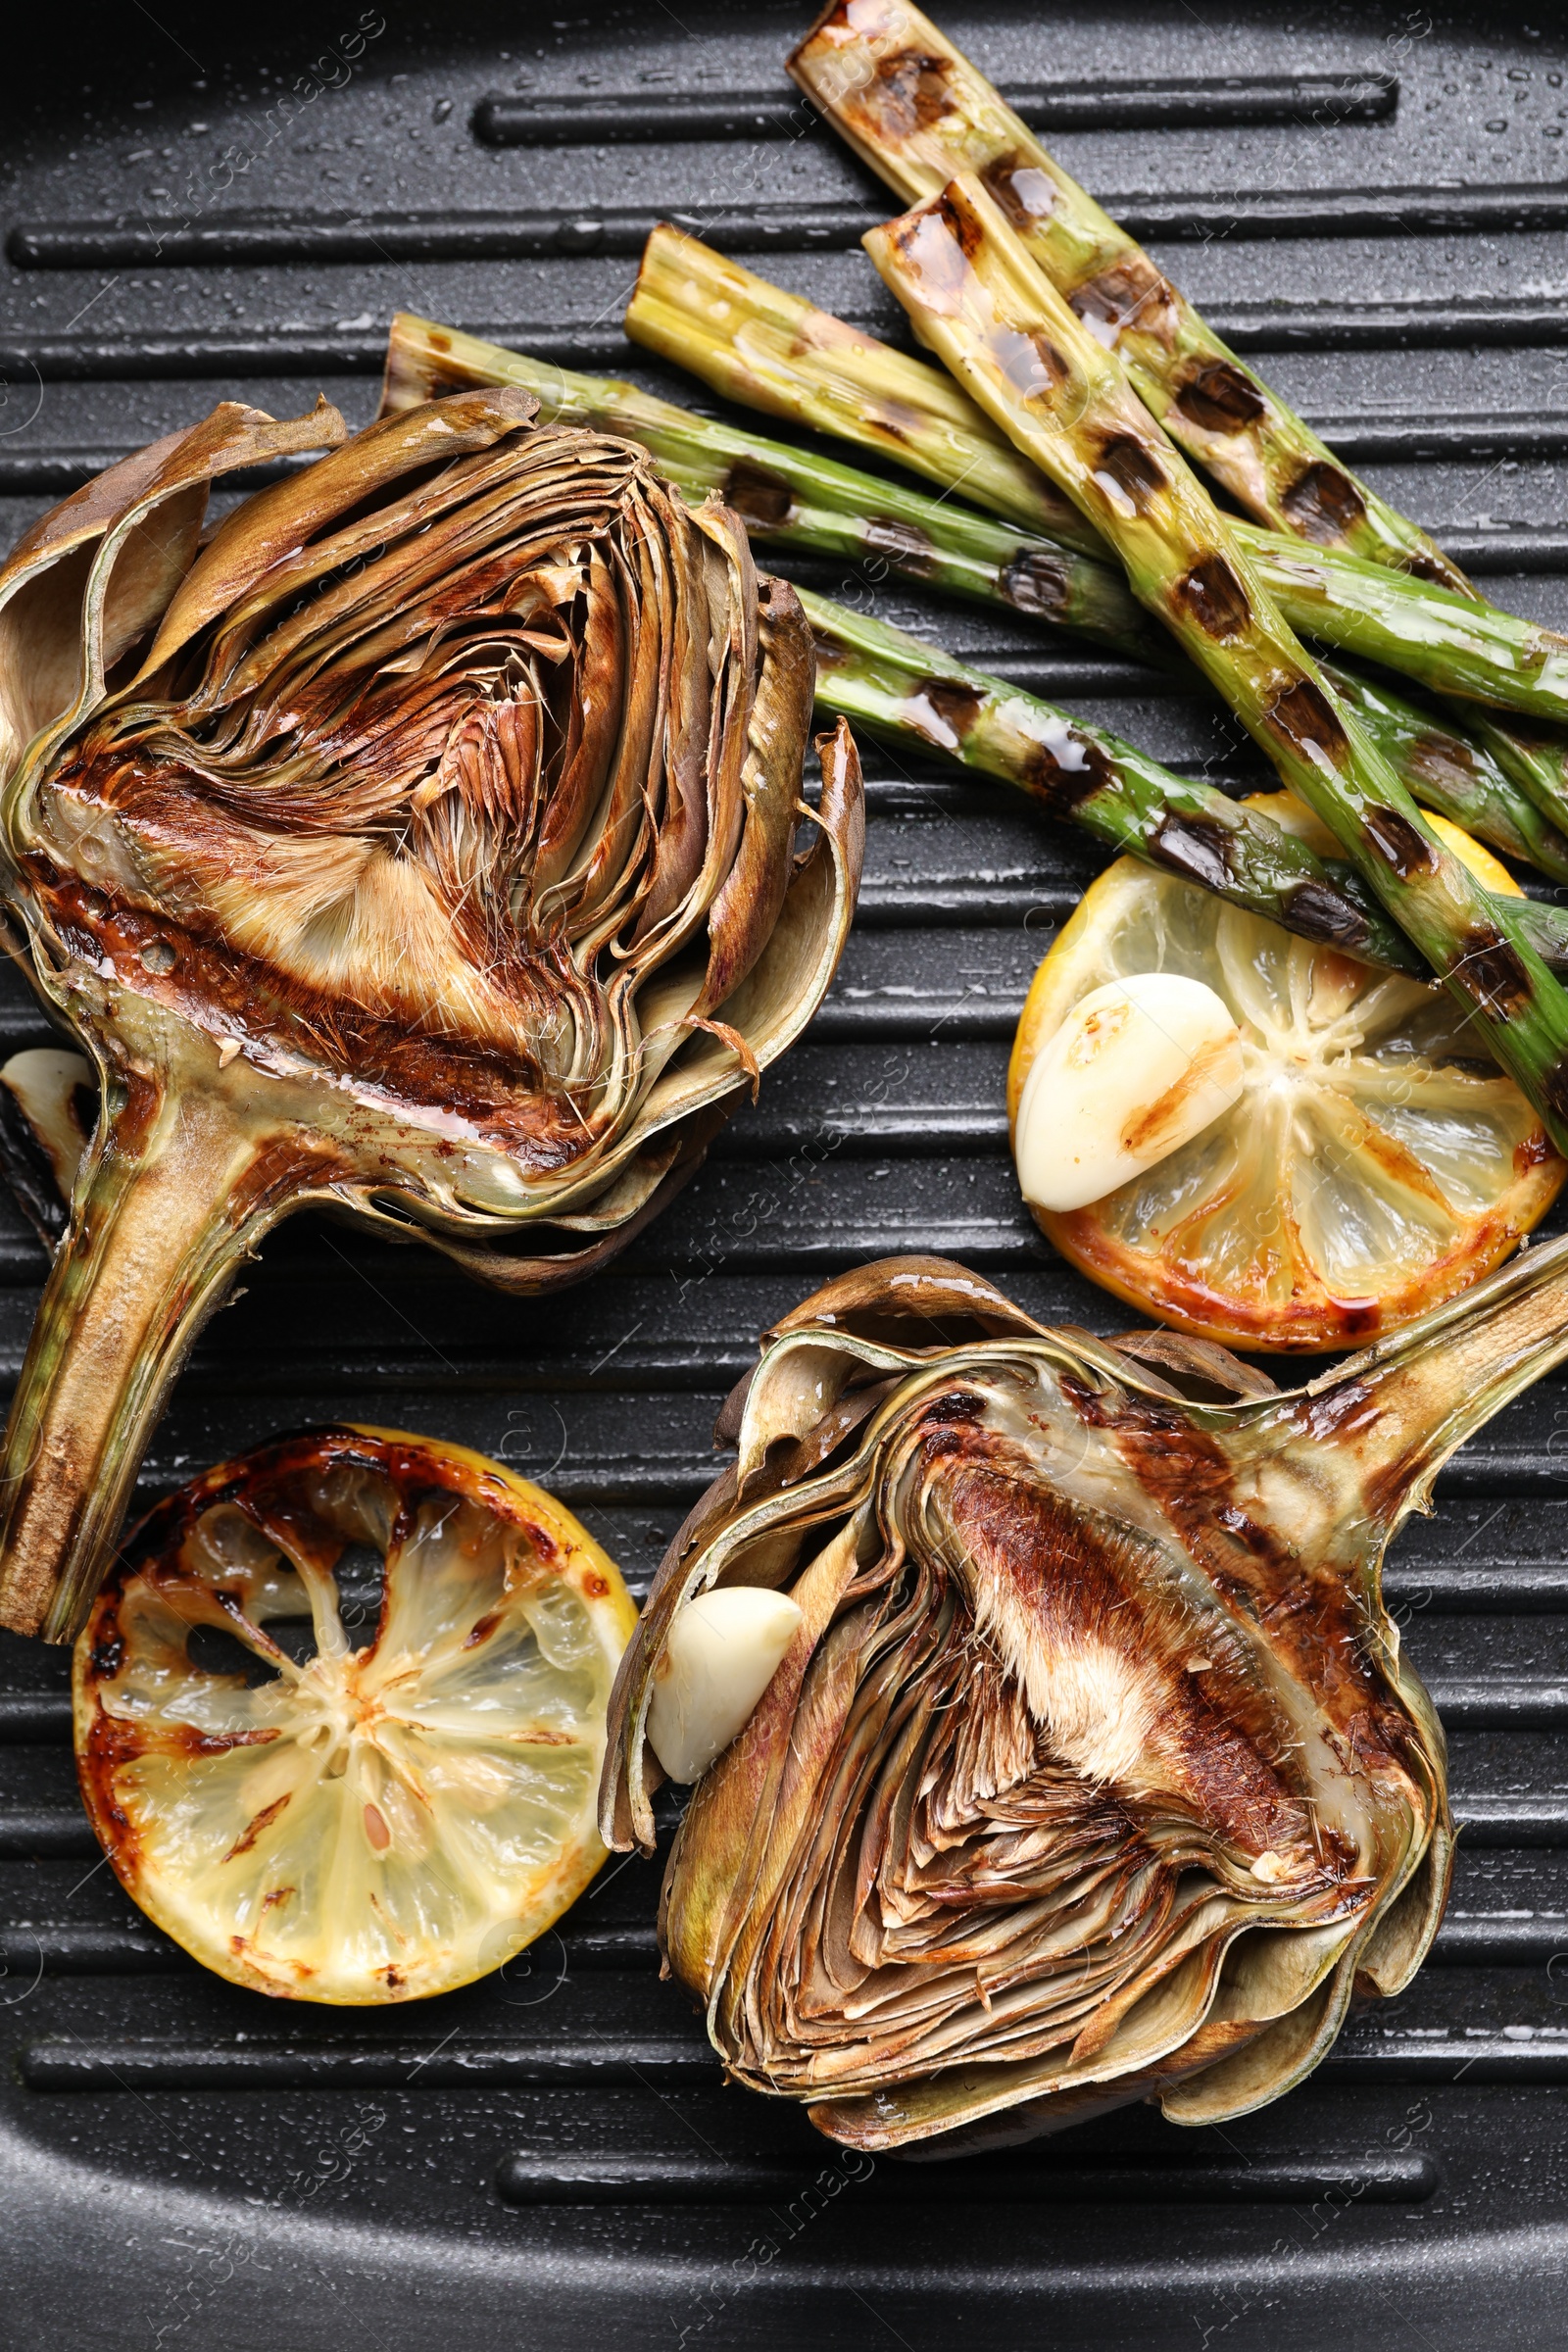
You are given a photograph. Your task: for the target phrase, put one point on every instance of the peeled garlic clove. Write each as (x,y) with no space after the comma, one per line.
(721,1652)
(1137,1068)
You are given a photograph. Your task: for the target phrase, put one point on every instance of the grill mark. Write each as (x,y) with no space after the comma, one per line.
(1195,847)
(911,90)
(1440,760)
(959,1405)
(1351,1405)
(961,225)
(1134,470)
(1030,362)
(1130,294)
(757,494)
(895,419)
(1307,720)
(1066,768)
(1037,581)
(909,547)
(1318,913)
(1024,193)
(942,710)
(1214,596)
(1427,568)
(1490,970)
(1323,503)
(1219,398)
(1400,845)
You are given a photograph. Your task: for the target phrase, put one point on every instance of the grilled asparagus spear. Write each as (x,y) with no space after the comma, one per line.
(910,692)
(897,686)
(1013,341)
(793,498)
(1454,774)
(1451,643)
(774,351)
(915,109)
(1533,759)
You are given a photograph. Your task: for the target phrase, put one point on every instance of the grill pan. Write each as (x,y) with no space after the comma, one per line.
(201,208)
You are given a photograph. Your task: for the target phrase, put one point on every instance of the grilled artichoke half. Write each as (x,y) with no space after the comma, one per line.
(420,843)
(1094,1772)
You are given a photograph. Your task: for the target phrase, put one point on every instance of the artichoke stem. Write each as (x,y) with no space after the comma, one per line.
(176,1189)
(1405,1405)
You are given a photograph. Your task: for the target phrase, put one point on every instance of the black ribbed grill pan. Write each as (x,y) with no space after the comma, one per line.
(200,205)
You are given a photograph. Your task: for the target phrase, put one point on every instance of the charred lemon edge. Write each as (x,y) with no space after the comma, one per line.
(485,1481)
(1311,1325)
(1306,1324)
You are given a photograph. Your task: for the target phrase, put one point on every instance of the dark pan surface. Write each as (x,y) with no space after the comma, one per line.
(1374,199)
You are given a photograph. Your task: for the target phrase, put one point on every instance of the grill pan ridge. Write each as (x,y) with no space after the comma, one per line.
(199,208)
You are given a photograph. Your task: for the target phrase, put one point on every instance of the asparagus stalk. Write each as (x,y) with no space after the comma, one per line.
(1533,759)
(792,498)
(1456,774)
(1013,341)
(772,350)
(1451,643)
(897,686)
(795,496)
(860,390)
(915,109)
(912,693)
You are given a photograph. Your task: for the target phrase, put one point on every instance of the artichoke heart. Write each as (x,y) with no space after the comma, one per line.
(421,839)
(1093,1771)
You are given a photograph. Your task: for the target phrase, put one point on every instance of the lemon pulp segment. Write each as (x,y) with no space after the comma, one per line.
(1375,1163)
(350,1822)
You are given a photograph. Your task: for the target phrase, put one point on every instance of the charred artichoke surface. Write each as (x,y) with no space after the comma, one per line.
(1094,1772)
(423,842)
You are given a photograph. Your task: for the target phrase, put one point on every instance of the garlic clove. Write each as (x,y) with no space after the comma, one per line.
(1138,1069)
(720,1653)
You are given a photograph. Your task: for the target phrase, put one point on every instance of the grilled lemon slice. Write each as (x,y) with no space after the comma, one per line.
(342,1822)
(1374,1163)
